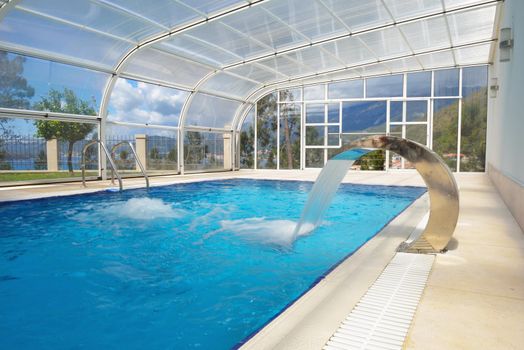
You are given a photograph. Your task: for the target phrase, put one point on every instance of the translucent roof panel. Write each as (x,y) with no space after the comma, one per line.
(427,34)
(453,4)
(138,102)
(309,18)
(318,59)
(257,72)
(472,54)
(211,111)
(151,63)
(471,26)
(230,84)
(404,64)
(219,36)
(208,7)
(437,60)
(286,66)
(350,50)
(21,28)
(358,15)
(386,43)
(96,16)
(201,52)
(402,10)
(262,26)
(167,13)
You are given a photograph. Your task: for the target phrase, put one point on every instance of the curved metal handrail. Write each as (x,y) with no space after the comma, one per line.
(86,146)
(442,188)
(142,169)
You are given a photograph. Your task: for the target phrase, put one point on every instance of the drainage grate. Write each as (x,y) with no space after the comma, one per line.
(381,319)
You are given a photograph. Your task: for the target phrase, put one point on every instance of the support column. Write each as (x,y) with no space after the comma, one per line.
(140,142)
(227,150)
(52,154)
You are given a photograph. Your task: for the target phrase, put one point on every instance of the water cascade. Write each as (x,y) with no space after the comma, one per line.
(325,188)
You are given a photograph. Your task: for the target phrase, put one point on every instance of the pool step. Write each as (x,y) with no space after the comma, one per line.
(382,317)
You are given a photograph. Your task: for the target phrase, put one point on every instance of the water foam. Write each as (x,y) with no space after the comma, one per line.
(145,209)
(265,231)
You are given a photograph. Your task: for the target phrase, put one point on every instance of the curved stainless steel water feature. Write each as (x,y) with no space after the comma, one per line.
(442,188)
(87,145)
(140,165)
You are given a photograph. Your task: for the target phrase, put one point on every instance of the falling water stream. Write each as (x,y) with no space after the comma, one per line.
(324,190)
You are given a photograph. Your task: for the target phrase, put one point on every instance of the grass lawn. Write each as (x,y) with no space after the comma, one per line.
(43,175)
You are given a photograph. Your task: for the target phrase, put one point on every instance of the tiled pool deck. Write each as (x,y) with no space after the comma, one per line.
(475,293)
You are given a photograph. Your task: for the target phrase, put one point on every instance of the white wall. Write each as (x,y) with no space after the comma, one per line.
(505,140)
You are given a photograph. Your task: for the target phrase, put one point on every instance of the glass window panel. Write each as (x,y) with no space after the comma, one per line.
(417,133)
(408,9)
(26,80)
(290,136)
(446,82)
(386,43)
(346,89)
(430,33)
(474,79)
(260,25)
(315,113)
(256,72)
(333,135)
(388,86)
(396,130)
(162,66)
(416,111)
(358,14)
(474,118)
(473,54)
(161,148)
(96,16)
(142,103)
(229,84)
(445,130)
(364,116)
(308,17)
(316,92)
(395,111)
(315,135)
(211,111)
(25,147)
(204,151)
(247,142)
(314,157)
(333,113)
(168,13)
(472,25)
(290,95)
(350,50)
(419,84)
(267,120)
(213,34)
(38,33)
(436,60)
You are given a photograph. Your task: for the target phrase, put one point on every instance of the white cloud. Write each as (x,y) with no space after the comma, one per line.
(145,103)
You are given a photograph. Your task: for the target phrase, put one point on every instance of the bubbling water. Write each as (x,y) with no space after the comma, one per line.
(145,209)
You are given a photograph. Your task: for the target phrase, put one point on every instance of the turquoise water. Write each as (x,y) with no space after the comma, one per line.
(200,265)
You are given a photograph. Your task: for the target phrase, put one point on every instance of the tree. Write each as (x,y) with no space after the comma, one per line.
(15,92)
(65,101)
(154,153)
(267,120)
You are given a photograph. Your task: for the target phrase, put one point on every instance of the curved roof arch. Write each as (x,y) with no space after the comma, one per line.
(231,50)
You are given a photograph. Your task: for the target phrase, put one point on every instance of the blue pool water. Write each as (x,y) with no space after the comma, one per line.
(200,265)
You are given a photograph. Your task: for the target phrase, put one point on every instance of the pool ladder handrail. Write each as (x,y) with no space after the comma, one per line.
(87,145)
(140,165)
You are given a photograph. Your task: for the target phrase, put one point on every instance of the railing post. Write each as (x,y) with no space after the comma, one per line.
(52,154)
(141,143)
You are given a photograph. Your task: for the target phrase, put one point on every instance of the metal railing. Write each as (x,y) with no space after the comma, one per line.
(87,145)
(140,165)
